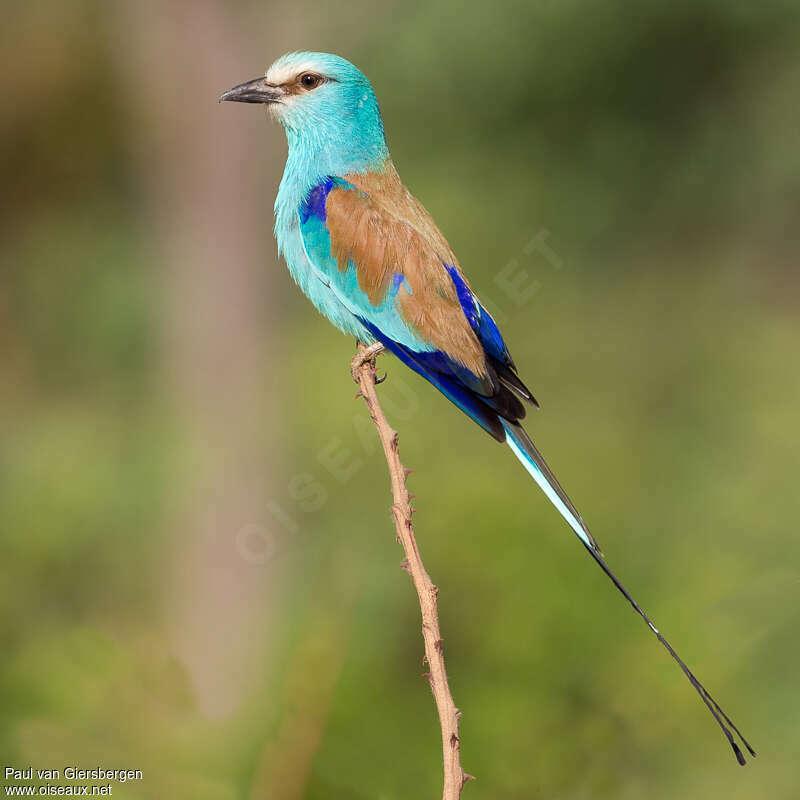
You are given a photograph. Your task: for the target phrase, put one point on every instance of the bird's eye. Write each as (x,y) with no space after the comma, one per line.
(308,80)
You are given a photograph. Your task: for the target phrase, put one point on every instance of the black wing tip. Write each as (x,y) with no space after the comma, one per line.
(507,374)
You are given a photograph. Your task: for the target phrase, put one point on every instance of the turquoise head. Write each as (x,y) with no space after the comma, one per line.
(328,109)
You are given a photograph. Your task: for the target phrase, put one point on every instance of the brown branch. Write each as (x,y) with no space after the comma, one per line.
(363,371)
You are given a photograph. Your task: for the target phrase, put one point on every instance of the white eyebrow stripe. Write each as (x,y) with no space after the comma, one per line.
(287,72)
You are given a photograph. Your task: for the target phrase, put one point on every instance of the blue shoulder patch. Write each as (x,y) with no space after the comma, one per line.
(314,204)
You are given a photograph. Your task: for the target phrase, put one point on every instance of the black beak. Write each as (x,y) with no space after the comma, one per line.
(255,91)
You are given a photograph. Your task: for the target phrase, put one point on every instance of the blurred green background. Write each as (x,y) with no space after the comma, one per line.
(199,575)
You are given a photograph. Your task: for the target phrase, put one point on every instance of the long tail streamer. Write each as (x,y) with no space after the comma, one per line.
(535,464)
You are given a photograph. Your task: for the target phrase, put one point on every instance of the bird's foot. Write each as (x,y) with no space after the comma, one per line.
(366,356)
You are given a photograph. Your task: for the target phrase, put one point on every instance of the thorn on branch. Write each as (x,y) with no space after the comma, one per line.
(465,776)
(438,645)
(453,740)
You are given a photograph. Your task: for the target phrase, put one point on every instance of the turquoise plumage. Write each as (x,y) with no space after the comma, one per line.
(371,259)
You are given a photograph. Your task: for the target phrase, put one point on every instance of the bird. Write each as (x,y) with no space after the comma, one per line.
(372,260)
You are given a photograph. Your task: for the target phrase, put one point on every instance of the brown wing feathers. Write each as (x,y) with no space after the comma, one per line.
(384,231)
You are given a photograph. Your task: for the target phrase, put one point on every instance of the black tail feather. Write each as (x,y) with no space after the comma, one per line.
(718,714)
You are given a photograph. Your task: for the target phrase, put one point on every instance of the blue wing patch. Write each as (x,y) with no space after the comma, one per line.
(480,320)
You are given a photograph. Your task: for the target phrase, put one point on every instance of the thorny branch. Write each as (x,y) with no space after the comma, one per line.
(363,371)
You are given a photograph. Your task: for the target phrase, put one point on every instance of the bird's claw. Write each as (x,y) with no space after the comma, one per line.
(366,356)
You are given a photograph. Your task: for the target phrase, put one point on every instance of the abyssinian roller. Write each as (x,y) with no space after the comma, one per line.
(371,259)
